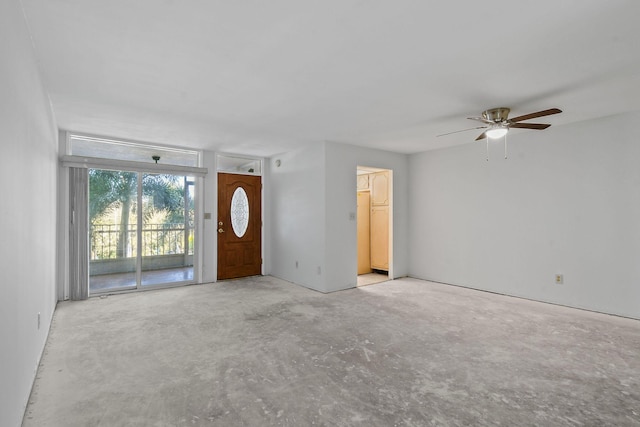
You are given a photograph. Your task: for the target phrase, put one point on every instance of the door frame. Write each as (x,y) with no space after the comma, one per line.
(211,223)
(85,160)
(373,169)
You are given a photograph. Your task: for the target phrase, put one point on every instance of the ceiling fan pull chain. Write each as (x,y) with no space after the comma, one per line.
(487,148)
(505,146)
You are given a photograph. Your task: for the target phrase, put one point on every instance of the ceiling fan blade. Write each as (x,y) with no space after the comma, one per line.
(482,136)
(534,115)
(537,126)
(482,119)
(464,130)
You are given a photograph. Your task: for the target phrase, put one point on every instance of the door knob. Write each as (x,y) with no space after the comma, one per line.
(220,230)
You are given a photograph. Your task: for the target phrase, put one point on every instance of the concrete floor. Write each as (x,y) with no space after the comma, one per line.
(262,352)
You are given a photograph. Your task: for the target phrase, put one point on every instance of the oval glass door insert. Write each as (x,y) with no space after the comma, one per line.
(239,212)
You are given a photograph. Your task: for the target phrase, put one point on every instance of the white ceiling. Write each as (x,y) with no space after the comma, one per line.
(262,77)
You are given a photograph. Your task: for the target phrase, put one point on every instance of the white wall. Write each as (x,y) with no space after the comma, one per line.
(566,201)
(312,194)
(209,227)
(266,217)
(297,216)
(28,167)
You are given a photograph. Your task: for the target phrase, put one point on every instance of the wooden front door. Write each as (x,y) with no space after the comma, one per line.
(239,226)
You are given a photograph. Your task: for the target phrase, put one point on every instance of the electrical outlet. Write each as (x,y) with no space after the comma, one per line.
(559,279)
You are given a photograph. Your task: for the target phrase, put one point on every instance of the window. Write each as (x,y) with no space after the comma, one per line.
(80,145)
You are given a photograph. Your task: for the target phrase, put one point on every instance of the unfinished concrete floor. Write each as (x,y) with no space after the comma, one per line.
(261,352)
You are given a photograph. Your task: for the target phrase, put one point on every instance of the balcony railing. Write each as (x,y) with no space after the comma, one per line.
(157,239)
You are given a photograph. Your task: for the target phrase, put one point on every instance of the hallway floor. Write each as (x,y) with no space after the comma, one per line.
(264,352)
(371,279)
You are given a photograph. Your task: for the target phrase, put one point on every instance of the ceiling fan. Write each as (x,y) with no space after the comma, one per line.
(498,124)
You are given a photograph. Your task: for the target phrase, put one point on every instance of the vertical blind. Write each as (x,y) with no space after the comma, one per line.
(78,233)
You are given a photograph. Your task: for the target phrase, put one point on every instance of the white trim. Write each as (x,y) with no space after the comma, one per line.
(263,213)
(63,226)
(199,223)
(128,142)
(128,165)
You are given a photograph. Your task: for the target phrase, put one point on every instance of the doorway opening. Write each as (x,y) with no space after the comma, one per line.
(374,224)
(141,230)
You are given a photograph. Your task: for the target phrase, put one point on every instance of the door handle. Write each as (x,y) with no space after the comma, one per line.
(220,230)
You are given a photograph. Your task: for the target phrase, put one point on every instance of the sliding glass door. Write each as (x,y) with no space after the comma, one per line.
(112,234)
(141,230)
(167,232)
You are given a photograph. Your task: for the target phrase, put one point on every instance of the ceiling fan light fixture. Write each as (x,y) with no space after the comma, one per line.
(497,132)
